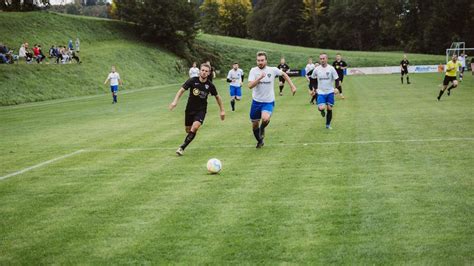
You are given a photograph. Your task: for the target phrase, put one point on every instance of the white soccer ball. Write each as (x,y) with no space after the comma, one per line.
(214,166)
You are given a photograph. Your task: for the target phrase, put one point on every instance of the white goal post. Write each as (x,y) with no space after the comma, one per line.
(457,48)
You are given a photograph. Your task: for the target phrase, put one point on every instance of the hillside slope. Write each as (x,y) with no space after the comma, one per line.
(103,43)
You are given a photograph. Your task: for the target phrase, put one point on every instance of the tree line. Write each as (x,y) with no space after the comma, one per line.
(426,26)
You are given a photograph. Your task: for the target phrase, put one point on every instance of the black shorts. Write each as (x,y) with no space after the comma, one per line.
(448,79)
(191,116)
(282,79)
(313,84)
(404,71)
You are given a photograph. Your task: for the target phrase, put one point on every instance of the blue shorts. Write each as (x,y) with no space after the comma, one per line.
(114,88)
(326,99)
(258,107)
(235,91)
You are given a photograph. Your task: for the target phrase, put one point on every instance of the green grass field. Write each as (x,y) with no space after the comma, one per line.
(392,183)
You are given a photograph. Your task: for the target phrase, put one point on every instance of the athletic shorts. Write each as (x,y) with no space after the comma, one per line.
(313,84)
(282,79)
(258,107)
(341,77)
(404,71)
(448,79)
(193,116)
(235,91)
(114,88)
(326,99)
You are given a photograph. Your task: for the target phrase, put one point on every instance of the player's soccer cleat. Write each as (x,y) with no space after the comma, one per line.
(449,92)
(328,127)
(438,98)
(180,151)
(323,113)
(260,144)
(408,82)
(281,93)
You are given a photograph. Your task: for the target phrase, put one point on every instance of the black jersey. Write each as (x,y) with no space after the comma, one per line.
(283,67)
(404,63)
(198,93)
(338,65)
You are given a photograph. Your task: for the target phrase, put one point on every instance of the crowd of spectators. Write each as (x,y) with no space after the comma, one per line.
(60,54)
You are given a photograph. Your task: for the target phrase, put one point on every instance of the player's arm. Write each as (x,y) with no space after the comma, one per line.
(221,107)
(120,80)
(288,79)
(176,98)
(106,80)
(253,83)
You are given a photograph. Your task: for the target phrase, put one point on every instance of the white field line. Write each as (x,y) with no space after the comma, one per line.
(361,142)
(78,98)
(42,164)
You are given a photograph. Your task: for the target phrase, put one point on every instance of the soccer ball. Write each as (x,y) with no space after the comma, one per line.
(214,166)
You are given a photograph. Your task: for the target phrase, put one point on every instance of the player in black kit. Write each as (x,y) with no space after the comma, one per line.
(284,67)
(200,87)
(340,65)
(404,68)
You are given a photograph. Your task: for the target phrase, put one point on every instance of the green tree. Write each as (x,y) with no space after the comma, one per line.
(233,17)
(210,16)
(172,23)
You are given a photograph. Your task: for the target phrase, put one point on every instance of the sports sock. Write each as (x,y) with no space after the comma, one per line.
(340,89)
(263,125)
(281,89)
(408,79)
(440,94)
(188,139)
(402,79)
(115,98)
(450,87)
(329,117)
(256,133)
(313,99)
(232,104)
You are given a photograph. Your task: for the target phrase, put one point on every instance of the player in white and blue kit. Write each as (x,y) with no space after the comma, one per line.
(261,82)
(235,77)
(115,80)
(326,76)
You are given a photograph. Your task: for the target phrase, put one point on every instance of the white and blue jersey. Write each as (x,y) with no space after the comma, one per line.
(235,77)
(263,93)
(114,78)
(326,77)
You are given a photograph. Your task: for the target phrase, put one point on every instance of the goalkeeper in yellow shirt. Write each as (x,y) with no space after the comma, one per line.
(451,73)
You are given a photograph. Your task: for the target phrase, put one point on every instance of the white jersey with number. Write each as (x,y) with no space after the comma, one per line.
(264,91)
(114,78)
(193,72)
(326,77)
(235,76)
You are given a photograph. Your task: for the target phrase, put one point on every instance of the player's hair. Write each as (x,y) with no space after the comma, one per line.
(323,54)
(206,65)
(338,54)
(262,53)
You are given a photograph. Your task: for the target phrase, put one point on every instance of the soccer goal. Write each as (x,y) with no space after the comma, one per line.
(458,48)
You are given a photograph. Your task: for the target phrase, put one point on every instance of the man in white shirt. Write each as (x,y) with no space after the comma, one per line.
(462,60)
(194,71)
(326,76)
(115,80)
(261,82)
(235,77)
